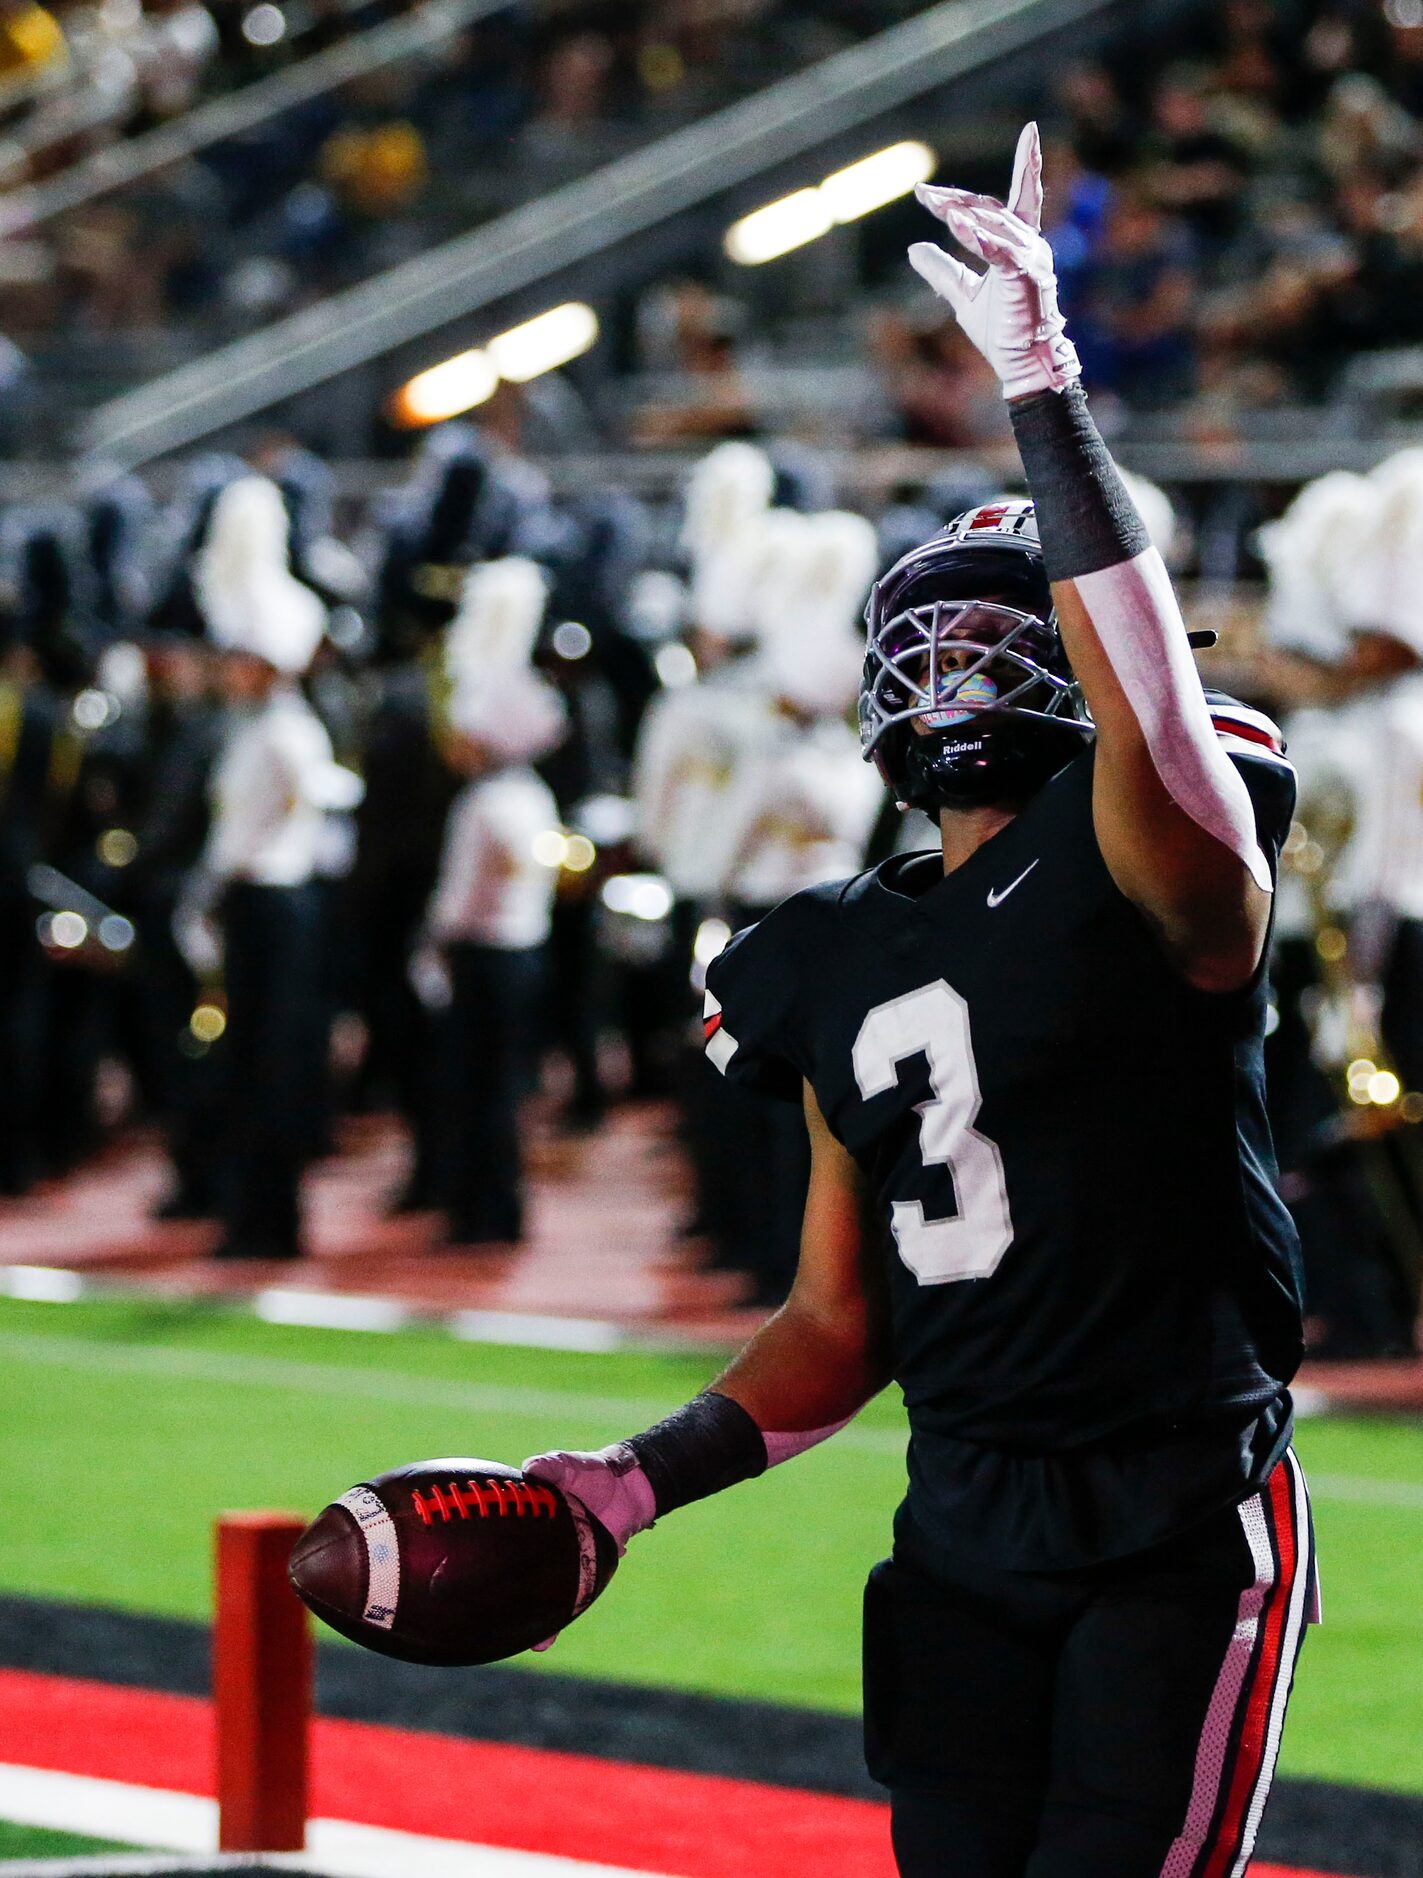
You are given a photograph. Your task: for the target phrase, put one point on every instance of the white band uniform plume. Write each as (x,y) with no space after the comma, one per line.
(1304,613)
(1391,597)
(1309,609)
(250,598)
(496,625)
(728,504)
(495,697)
(810,605)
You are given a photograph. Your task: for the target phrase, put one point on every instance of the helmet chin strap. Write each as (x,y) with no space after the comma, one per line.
(937,771)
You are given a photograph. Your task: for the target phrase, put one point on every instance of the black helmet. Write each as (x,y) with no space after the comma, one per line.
(967,696)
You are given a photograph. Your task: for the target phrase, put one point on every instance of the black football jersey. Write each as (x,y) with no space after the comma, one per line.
(1094,1283)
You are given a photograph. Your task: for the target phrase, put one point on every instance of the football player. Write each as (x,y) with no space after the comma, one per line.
(1042,1196)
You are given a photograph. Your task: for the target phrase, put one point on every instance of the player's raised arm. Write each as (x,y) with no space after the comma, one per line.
(809,1368)
(1173,817)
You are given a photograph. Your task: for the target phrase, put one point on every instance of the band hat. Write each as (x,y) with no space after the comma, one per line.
(514,713)
(1306,612)
(1393,588)
(249,597)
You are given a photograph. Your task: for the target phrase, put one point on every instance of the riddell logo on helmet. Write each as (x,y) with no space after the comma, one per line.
(990,517)
(485,1497)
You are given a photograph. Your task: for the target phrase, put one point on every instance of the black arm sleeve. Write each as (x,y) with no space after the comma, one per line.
(1086,517)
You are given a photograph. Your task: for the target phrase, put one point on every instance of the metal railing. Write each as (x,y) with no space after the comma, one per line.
(532,243)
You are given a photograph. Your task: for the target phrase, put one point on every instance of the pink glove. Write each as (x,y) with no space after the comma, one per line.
(610,1485)
(1009,311)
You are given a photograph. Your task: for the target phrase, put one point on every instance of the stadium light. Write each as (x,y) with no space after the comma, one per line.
(844,196)
(446,390)
(875,180)
(767,233)
(540,345)
(543,344)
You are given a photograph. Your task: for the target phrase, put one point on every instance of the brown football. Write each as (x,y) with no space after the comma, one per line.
(452,1562)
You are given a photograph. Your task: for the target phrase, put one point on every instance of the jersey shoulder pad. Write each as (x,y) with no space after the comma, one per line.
(758,991)
(1256,747)
(1243,729)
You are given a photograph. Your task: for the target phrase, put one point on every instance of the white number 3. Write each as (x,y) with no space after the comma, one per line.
(933,1021)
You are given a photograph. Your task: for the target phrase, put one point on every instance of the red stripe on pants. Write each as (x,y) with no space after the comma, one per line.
(1250,1753)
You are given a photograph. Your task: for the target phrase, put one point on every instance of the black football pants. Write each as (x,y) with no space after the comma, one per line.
(1119,1722)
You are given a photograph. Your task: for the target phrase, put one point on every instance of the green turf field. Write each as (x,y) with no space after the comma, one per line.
(36,1842)
(166,1414)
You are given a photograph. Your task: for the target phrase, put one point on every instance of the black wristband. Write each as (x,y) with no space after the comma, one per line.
(1086,518)
(706,1446)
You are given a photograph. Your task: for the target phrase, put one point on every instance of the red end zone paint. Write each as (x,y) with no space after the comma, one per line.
(567,1805)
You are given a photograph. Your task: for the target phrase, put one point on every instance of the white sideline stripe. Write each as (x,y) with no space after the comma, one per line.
(41,1284)
(329,1310)
(107,1809)
(351,1384)
(184,1822)
(595,1336)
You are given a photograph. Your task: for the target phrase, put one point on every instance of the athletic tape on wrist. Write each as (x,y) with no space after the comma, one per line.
(705,1447)
(1092,535)
(1086,518)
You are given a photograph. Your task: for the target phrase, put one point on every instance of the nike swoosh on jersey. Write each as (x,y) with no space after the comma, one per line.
(995,898)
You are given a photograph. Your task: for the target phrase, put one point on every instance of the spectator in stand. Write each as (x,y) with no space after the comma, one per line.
(935,385)
(1100,128)
(1192,167)
(573,83)
(686,329)
(1133,311)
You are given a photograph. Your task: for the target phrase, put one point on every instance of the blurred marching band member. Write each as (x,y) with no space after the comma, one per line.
(1346,631)
(490,914)
(275,783)
(88,754)
(691,736)
(798,811)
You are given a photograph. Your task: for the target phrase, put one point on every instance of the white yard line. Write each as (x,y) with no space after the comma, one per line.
(353,1384)
(182,1822)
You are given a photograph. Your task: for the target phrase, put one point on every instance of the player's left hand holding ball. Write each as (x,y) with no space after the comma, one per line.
(1010,311)
(455,1561)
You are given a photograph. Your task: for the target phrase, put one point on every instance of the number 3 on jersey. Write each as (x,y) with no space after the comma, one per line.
(933,1022)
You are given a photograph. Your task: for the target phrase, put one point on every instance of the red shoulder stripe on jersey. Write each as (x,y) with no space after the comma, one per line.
(712,1025)
(1252,731)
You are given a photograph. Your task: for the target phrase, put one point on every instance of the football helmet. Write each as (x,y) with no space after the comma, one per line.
(967,696)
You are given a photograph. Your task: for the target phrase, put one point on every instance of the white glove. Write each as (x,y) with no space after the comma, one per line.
(1010,312)
(609,1484)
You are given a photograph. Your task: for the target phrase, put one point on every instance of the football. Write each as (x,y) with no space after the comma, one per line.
(451,1562)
